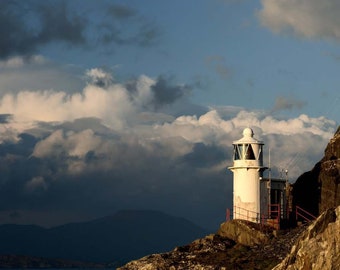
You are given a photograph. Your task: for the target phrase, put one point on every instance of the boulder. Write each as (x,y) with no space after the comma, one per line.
(244,232)
(318,247)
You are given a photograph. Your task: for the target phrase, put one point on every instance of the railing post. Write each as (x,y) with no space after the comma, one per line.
(228,214)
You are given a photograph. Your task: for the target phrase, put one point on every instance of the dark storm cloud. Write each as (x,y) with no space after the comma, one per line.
(167,97)
(205,155)
(165,93)
(12,30)
(16,169)
(23,147)
(26,26)
(59,23)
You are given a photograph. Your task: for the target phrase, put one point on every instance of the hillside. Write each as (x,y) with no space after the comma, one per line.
(115,239)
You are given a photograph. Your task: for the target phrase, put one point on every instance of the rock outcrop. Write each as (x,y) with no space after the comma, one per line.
(260,250)
(329,177)
(244,232)
(318,247)
(319,189)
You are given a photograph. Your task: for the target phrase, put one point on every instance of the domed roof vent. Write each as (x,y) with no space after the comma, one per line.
(248,132)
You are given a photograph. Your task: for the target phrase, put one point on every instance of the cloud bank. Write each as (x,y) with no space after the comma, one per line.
(137,144)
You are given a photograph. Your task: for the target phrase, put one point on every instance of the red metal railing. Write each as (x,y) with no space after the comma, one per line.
(272,219)
(246,214)
(228,215)
(274,211)
(300,212)
(274,215)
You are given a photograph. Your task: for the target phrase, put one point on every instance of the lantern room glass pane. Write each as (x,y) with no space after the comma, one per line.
(249,152)
(236,153)
(260,157)
(240,150)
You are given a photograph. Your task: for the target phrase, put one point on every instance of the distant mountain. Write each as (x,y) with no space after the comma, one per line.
(114,239)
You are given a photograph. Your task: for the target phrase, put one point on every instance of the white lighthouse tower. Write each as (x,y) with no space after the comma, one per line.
(247,169)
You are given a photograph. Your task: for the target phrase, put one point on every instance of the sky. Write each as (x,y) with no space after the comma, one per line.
(108,105)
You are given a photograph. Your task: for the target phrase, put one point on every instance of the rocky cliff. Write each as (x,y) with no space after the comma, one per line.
(329,178)
(318,247)
(319,189)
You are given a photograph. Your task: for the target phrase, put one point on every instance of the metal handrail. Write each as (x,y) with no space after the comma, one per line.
(298,213)
(249,214)
(261,219)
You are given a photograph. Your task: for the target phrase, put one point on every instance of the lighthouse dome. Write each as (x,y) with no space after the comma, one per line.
(248,132)
(248,137)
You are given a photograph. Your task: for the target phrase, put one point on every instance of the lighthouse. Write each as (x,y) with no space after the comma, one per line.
(247,172)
